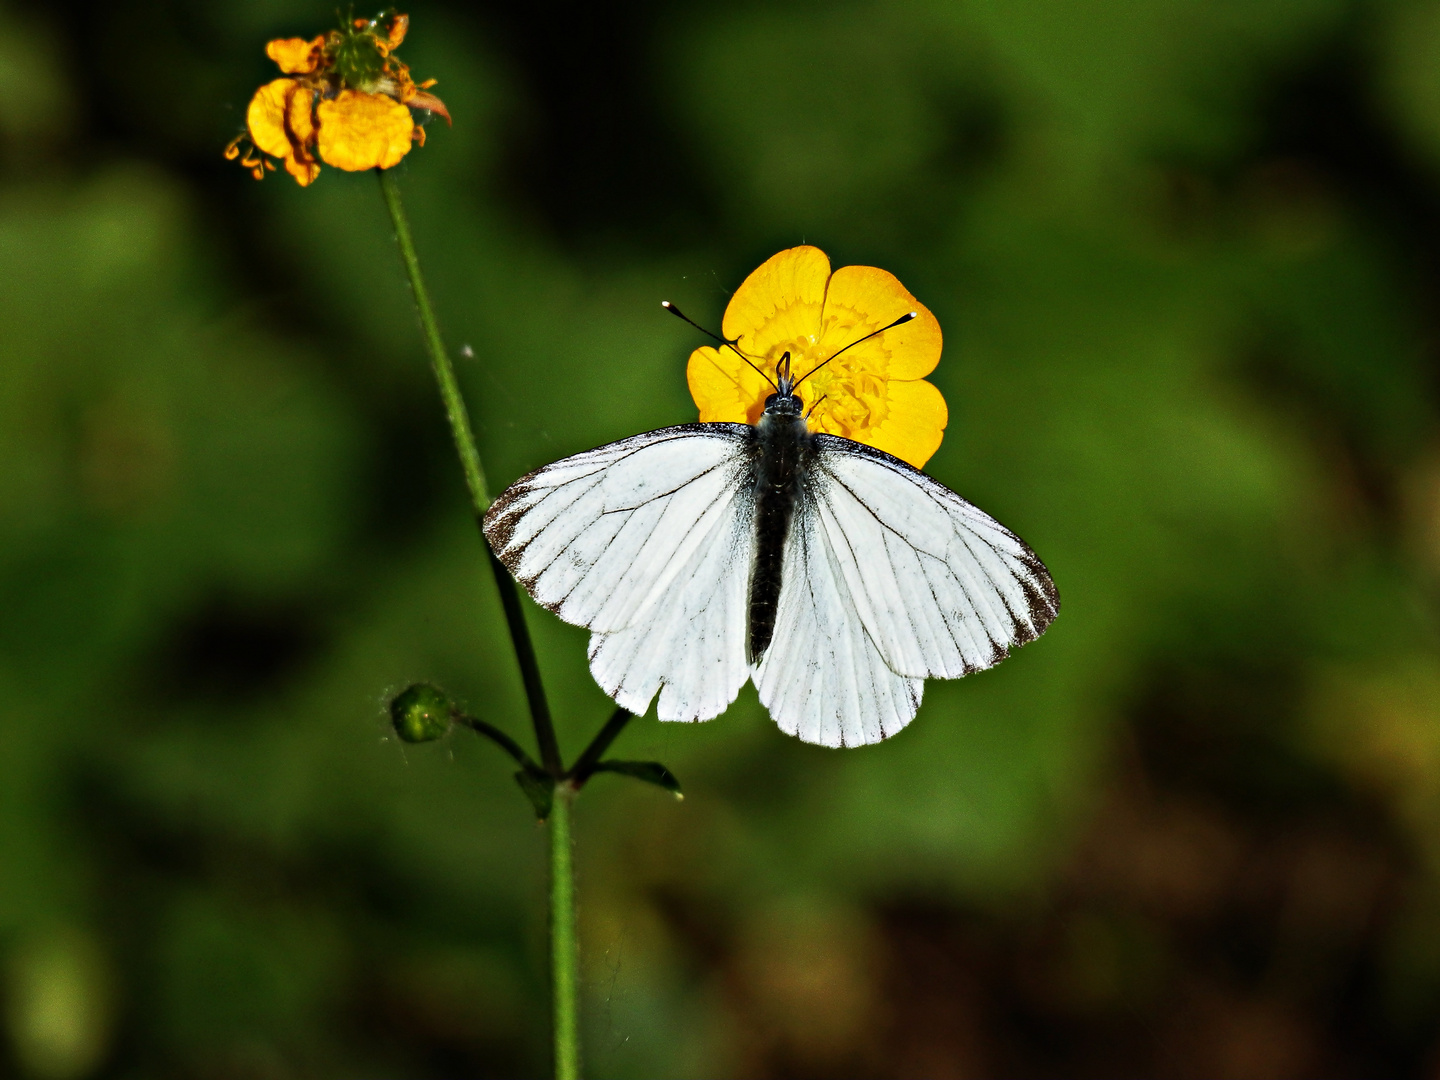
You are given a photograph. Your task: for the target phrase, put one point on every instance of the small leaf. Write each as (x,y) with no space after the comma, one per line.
(652,772)
(540,790)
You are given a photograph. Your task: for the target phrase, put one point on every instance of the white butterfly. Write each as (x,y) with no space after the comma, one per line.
(837,577)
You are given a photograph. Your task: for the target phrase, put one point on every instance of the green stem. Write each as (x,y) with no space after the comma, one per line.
(529,666)
(474,477)
(502,740)
(564,943)
(435,346)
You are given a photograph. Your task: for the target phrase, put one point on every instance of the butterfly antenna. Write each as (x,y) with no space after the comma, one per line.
(902,319)
(673,310)
(724,342)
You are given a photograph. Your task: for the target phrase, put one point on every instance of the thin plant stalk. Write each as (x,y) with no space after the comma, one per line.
(440,359)
(563,941)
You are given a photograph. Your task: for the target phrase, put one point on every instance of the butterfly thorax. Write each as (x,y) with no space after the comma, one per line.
(782,445)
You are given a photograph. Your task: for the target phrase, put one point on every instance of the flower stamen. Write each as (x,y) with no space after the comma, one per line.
(902,319)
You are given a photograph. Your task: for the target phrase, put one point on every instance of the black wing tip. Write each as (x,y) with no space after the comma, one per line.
(1043,605)
(1042,596)
(498,521)
(498,526)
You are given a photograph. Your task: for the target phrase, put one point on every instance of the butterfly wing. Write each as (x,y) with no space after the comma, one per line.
(822,678)
(930,586)
(647,542)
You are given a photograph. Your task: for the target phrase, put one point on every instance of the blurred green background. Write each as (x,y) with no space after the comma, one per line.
(1186,255)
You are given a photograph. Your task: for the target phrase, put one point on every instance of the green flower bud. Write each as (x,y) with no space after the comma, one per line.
(358,55)
(421,714)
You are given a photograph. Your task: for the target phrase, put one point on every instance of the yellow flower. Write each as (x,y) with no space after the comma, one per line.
(874,393)
(346,101)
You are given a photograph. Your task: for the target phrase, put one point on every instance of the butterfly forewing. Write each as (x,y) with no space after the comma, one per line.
(647,542)
(597,538)
(942,588)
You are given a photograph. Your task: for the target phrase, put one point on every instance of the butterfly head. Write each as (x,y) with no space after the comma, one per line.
(784,402)
(784,405)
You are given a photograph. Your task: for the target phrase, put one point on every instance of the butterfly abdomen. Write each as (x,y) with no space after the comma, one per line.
(782,444)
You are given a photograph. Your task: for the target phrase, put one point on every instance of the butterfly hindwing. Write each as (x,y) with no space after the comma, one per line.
(823,679)
(691,645)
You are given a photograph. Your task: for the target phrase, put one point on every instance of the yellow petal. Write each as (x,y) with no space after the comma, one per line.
(363,131)
(300,125)
(300,122)
(398,25)
(724,387)
(282,125)
(295,56)
(420,99)
(304,172)
(779,302)
(266,117)
(914,424)
(860,300)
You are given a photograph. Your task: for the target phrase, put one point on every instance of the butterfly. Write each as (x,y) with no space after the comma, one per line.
(836,576)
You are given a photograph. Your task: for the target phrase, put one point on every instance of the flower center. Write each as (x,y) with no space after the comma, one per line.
(358,62)
(848,395)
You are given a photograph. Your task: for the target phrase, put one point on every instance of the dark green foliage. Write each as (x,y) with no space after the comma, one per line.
(1184,257)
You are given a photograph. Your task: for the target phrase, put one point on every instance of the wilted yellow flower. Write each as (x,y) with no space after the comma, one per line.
(347,100)
(875,393)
